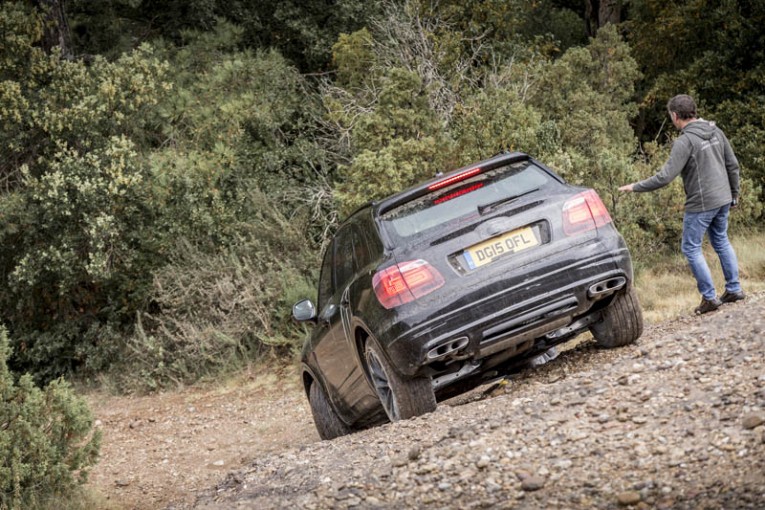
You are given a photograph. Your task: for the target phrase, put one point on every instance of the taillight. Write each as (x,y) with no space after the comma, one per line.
(585,212)
(405,282)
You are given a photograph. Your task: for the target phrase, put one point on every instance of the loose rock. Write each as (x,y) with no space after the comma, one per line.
(628,498)
(753,420)
(533,483)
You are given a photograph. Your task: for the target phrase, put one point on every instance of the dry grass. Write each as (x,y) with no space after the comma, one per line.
(668,289)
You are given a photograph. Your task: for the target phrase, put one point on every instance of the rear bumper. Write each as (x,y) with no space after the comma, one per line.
(520,306)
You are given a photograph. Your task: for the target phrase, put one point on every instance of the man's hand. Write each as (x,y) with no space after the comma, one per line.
(734,203)
(627,188)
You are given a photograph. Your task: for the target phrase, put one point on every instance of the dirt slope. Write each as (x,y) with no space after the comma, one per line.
(675,421)
(162,450)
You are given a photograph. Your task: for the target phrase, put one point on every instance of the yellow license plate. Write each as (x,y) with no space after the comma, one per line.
(512,242)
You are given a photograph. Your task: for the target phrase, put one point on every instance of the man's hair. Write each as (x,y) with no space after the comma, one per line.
(683,106)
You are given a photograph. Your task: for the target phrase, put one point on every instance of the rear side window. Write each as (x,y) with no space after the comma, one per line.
(366,241)
(344,266)
(325,279)
(360,250)
(355,245)
(464,199)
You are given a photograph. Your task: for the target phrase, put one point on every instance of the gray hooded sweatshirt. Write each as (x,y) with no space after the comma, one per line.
(703,157)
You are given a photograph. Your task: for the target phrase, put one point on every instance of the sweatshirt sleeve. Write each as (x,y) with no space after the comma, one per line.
(678,157)
(731,166)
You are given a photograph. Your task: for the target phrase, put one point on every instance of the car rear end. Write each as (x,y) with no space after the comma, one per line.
(494,262)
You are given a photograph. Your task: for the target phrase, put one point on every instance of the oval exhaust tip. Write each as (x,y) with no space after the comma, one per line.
(606,287)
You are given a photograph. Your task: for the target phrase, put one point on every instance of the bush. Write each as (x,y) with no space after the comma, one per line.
(74,219)
(105,173)
(399,143)
(239,123)
(215,311)
(46,439)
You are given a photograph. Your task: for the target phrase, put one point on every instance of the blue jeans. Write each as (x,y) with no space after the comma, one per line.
(714,223)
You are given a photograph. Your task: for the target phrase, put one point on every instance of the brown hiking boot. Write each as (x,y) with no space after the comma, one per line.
(732,297)
(707,306)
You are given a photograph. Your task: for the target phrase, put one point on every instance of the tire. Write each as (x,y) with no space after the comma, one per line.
(621,323)
(328,423)
(401,398)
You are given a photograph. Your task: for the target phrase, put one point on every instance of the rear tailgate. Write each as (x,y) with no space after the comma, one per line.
(500,252)
(491,222)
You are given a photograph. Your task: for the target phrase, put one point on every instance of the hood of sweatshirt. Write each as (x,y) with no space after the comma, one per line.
(701,128)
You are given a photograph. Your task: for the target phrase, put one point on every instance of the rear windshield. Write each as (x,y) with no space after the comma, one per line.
(463,200)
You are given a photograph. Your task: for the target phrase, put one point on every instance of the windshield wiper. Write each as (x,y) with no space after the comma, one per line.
(491,205)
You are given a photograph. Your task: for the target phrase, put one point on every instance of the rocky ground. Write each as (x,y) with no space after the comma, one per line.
(675,421)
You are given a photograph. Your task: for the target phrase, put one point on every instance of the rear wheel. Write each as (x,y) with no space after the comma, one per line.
(328,423)
(401,398)
(621,323)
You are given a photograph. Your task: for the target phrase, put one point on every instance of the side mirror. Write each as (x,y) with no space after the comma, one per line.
(304,311)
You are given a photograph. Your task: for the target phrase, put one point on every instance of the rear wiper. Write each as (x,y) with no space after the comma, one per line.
(491,205)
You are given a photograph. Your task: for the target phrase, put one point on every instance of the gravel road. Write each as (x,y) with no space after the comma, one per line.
(675,421)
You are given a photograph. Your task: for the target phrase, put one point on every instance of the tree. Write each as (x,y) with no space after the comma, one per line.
(513,25)
(72,256)
(55,26)
(598,13)
(302,31)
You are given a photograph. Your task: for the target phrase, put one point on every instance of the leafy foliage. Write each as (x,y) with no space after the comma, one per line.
(573,111)
(303,31)
(238,193)
(398,143)
(72,253)
(217,310)
(513,25)
(114,173)
(46,439)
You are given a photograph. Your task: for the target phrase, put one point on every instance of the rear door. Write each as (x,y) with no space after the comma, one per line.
(334,350)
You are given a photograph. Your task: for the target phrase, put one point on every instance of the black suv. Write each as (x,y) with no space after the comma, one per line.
(439,288)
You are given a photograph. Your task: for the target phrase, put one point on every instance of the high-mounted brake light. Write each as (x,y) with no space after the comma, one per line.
(454,178)
(585,212)
(405,282)
(458,193)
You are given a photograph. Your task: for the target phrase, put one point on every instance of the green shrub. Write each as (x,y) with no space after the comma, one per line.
(399,143)
(239,123)
(46,439)
(75,246)
(215,311)
(105,174)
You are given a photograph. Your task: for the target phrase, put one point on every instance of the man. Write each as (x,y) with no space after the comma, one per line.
(703,157)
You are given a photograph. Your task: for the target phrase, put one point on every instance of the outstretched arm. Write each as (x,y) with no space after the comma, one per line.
(627,188)
(678,157)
